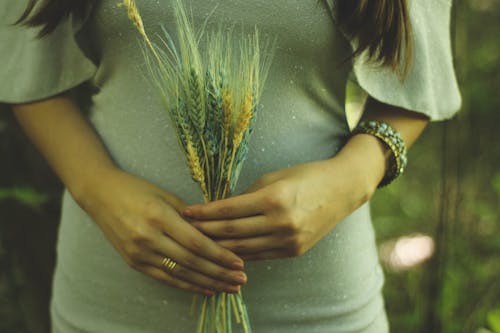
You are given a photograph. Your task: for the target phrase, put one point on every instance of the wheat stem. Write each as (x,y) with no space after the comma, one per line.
(209,140)
(213,315)
(193,305)
(223,308)
(235,308)
(201,323)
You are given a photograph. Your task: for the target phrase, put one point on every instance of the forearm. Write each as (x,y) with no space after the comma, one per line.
(66,140)
(366,156)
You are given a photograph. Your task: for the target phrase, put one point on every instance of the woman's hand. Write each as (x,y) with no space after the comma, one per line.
(287,211)
(143,223)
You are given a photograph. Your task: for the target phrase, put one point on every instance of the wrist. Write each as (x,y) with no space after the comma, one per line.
(95,181)
(366,158)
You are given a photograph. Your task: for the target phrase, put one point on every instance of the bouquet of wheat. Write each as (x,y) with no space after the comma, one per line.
(212,98)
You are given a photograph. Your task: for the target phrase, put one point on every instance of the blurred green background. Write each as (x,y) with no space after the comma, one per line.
(438,226)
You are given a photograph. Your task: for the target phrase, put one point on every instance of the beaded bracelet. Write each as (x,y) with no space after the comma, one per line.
(393,140)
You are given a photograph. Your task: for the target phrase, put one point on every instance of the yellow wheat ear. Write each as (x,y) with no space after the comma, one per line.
(135,17)
(244,118)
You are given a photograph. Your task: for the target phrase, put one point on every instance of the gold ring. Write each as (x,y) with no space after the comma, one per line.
(168,263)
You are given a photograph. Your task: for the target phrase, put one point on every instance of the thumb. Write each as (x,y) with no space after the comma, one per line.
(262,182)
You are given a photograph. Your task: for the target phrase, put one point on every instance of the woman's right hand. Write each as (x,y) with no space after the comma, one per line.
(144,224)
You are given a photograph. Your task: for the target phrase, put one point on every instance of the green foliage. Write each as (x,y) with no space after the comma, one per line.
(494,320)
(24,195)
(496,184)
(465,269)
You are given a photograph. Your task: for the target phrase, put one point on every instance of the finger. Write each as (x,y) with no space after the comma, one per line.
(164,277)
(248,204)
(239,228)
(189,260)
(192,239)
(255,245)
(173,200)
(260,183)
(186,274)
(266,255)
(266,179)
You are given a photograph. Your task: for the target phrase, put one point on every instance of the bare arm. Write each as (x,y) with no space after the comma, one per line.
(68,143)
(141,220)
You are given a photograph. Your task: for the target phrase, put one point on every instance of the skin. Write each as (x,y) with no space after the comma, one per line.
(286,212)
(141,220)
(283,214)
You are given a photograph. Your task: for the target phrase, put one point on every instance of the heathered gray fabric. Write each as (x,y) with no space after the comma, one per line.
(336,286)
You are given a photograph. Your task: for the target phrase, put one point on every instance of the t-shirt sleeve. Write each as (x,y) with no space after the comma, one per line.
(32,69)
(430,86)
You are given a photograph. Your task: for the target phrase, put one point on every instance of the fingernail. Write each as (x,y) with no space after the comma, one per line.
(208,292)
(238,265)
(241,278)
(233,289)
(187,212)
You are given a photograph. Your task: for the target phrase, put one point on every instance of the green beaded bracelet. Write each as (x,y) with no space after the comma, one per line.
(393,140)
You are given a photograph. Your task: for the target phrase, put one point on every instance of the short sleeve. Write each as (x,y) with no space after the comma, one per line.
(430,86)
(33,69)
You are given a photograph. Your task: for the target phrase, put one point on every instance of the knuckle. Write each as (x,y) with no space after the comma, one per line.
(140,235)
(273,201)
(229,229)
(296,248)
(191,262)
(278,197)
(153,208)
(282,191)
(133,252)
(155,223)
(195,244)
(290,224)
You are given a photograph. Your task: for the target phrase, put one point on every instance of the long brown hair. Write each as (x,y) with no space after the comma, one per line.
(52,12)
(380,27)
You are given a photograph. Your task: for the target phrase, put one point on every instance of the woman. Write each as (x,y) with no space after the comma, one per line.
(297,233)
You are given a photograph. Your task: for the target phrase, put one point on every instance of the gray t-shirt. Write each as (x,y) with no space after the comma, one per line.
(336,286)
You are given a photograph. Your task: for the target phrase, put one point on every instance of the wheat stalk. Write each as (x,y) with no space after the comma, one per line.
(212,100)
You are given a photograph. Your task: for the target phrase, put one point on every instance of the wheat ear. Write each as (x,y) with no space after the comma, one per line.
(244,119)
(135,17)
(227,114)
(196,169)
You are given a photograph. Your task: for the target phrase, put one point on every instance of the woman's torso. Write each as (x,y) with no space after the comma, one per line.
(335,287)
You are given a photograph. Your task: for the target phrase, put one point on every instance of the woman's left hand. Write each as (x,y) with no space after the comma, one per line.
(285,212)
